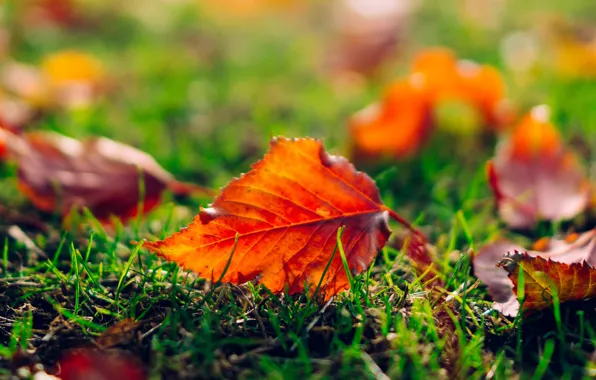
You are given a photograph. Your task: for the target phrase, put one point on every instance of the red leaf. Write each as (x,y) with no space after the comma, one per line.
(59,173)
(88,364)
(534,177)
(285,214)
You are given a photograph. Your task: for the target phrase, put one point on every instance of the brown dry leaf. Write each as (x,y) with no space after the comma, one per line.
(573,249)
(121,332)
(533,176)
(279,222)
(58,173)
(543,278)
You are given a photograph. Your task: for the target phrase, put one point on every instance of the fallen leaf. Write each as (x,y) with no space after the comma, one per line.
(572,249)
(121,332)
(446,79)
(278,223)
(73,77)
(367,33)
(534,177)
(58,173)
(100,365)
(67,78)
(543,278)
(403,120)
(398,126)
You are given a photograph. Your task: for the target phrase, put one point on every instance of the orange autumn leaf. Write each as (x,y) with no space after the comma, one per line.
(402,121)
(397,126)
(446,78)
(72,78)
(533,175)
(278,223)
(72,66)
(58,174)
(543,278)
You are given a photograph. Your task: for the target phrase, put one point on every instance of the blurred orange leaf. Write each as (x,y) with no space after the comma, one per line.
(534,177)
(572,249)
(401,122)
(397,126)
(67,78)
(278,223)
(58,173)
(72,66)
(446,78)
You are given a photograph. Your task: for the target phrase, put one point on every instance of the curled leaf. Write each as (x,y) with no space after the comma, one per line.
(278,223)
(545,280)
(533,176)
(58,173)
(572,249)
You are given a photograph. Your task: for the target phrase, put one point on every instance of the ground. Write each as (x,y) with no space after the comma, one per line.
(204,98)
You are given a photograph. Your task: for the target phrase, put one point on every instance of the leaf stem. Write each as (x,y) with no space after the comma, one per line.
(395,216)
